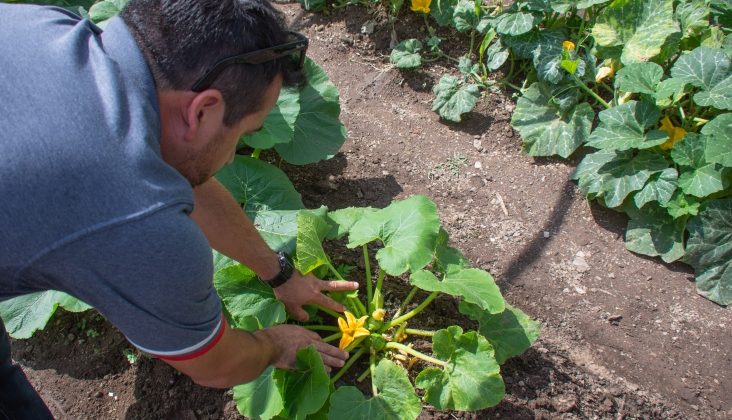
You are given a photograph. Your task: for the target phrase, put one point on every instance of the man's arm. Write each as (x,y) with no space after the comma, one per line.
(241,356)
(230,232)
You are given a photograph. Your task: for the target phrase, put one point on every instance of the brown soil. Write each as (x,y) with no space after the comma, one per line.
(623,335)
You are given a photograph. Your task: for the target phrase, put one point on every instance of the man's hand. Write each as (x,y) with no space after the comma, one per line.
(288,339)
(300,290)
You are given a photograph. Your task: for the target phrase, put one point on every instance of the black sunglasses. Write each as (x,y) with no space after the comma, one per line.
(295,47)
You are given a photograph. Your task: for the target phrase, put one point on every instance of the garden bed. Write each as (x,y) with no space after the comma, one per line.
(623,335)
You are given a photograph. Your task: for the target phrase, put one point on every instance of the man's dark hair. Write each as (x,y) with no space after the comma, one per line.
(182,39)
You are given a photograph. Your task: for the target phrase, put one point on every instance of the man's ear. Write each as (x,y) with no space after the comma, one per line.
(204,115)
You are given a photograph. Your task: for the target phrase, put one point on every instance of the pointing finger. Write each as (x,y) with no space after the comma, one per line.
(329,303)
(338,286)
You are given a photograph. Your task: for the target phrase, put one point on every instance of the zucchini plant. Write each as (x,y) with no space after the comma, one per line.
(388,342)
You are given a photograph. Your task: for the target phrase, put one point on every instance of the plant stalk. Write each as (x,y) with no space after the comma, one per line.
(411,313)
(322,328)
(372,369)
(364,375)
(415,353)
(423,333)
(355,300)
(330,312)
(369,289)
(332,337)
(256,152)
(348,365)
(589,91)
(406,302)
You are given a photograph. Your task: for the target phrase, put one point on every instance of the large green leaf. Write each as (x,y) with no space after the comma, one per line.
(454,98)
(528,45)
(260,398)
(693,17)
(564,6)
(613,174)
(464,17)
(311,231)
(639,78)
(396,399)
(306,388)
(473,285)
(719,141)
(708,69)
(660,187)
(639,26)
(442,11)
(251,303)
(26,314)
(408,229)
(471,379)
(709,251)
(698,177)
(510,332)
(516,22)
(279,127)
(344,219)
(624,127)
(544,128)
(651,231)
(407,55)
(104,10)
(318,132)
(446,255)
(258,185)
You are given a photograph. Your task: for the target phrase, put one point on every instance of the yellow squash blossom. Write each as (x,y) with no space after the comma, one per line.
(351,328)
(675,134)
(604,72)
(421,6)
(378,314)
(568,46)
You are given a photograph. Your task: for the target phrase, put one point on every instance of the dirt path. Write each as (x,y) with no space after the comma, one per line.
(623,336)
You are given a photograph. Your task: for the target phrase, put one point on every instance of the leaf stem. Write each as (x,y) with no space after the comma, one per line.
(406,302)
(256,152)
(367,267)
(330,312)
(372,369)
(364,375)
(380,280)
(415,353)
(589,91)
(423,333)
(348,365)
(332,337)
(411,313)
(361,309)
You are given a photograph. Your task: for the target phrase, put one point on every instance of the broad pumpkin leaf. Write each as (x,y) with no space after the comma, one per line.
(660,188)
(652,231)
(639,26)
(624,127)
(681,205)
(454,98)
(708,69)
(472,378)
(26,314)
(279,126)
(396,398)
(510,332)
(495,56)
(639,78)
(260,398)
(670,88)
(407,55)
(587,175)
(516,22)
(408,230)
(544,128)
(221,261)
(318,132)
(442,11)
(527,45)
(564,6)
(709,251)
(698,177)
(344,219)
(465,19)
(445,255)
(251,303)
(719,140)
(693,17)
(311,231)
(258,185)
(278,228)
(473,285)
(306,388)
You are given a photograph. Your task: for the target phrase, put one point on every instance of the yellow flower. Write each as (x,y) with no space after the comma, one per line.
(378,314)
(604,72)
(421,6)
(675,134)
(568,46)
(351,328)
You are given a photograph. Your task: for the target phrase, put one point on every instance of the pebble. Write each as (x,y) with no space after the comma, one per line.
(580,264)
(547,234)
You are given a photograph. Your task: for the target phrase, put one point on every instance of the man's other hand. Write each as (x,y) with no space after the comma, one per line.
(301,290)
(288,339)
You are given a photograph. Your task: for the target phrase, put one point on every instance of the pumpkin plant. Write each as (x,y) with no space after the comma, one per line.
(388,341)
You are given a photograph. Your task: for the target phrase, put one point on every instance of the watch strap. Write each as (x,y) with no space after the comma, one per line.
(286,270)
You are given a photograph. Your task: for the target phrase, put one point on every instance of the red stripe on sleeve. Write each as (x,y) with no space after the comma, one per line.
(203,350)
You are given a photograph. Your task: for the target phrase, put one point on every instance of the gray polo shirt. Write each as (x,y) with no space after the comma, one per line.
(87,205)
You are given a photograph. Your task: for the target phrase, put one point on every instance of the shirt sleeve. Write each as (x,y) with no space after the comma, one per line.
(151,277)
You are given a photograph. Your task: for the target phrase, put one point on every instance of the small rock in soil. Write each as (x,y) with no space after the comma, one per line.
(565,404)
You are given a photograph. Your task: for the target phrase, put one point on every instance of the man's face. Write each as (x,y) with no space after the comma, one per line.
(221,148)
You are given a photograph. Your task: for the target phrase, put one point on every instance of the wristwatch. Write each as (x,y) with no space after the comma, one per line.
(286,269)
